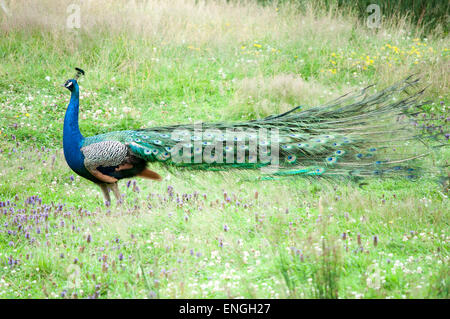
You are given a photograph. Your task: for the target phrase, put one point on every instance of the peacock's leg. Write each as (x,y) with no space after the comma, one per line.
(115,188)
(105,192)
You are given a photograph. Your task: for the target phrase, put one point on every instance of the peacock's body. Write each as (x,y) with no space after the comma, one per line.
(353,136)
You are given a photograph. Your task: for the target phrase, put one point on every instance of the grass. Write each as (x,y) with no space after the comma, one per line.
(208,234)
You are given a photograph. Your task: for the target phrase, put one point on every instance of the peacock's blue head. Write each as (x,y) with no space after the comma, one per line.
(70,84)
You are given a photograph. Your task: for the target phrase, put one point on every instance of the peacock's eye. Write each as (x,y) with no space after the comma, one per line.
(68,84)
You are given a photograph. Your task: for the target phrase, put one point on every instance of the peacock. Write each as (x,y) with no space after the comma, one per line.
(354,136)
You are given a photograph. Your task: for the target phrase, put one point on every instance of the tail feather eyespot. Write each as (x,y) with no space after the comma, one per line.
(291,159)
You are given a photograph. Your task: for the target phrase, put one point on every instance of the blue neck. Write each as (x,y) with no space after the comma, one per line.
(72,137)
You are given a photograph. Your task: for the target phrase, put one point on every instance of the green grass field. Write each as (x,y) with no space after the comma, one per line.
(208,234)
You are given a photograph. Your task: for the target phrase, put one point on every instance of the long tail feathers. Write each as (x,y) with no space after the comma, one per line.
(355,135)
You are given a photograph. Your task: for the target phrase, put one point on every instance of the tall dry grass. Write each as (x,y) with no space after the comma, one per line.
(200,22)
(223,26)
(258,96)
(208,23)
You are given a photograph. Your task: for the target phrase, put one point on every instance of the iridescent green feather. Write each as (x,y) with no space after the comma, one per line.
(353,136)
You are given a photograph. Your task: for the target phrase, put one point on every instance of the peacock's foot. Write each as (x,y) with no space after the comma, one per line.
(111,187)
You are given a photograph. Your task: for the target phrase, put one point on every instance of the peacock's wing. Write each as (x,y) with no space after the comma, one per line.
(105,153)
(108,157)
